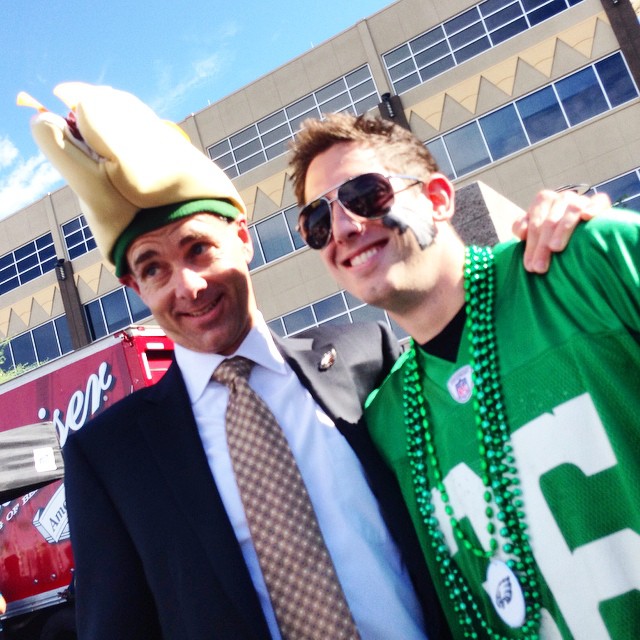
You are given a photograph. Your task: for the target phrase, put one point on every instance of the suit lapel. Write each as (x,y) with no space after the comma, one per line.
(175,443)
(323,368)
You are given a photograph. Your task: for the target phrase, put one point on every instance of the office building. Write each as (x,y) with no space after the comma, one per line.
(517,94)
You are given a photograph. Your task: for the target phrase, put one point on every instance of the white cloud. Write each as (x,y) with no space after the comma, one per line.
(23,182)
(200,72)
(8,152)
(228,30)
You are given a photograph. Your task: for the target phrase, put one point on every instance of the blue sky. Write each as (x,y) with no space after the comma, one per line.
(177,57)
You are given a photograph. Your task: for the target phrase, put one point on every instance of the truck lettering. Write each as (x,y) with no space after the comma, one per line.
(28,497)
(82,405)
(12,512)
(52,520)
(59,517)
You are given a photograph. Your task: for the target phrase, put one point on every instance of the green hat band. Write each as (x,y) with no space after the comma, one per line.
(151,219)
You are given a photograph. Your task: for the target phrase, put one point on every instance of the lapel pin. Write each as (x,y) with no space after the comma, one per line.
(327,360)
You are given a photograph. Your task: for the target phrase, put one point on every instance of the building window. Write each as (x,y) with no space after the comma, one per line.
(464,36)
(339,308)
(268,138)
(624,190)
(275,237)
(467,148)
(541,114)
(503,132)
(615,79)
(37,346)
(24,351)
(113,311)
(27,262)
(78,238)
(46,344)
(559,106)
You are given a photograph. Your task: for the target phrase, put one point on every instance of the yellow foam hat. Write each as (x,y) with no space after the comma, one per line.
(120,158)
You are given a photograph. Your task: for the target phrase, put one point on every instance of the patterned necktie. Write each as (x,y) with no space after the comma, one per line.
(305,592)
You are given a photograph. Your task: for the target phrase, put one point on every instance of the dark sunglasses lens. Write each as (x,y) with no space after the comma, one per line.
(369,195)
(315,223)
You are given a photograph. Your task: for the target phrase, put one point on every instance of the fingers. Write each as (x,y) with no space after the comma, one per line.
(598,203)
(551,220)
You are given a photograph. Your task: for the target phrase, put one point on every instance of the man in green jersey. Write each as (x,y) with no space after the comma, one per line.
(511,422)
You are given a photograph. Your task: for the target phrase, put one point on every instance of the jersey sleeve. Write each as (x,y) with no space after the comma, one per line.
(612,262)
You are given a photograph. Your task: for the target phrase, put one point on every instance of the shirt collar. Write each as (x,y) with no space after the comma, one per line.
(259,346)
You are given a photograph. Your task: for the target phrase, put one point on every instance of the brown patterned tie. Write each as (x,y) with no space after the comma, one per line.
(305,592)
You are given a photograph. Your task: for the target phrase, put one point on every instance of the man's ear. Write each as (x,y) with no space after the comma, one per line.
(129,281)
(440,191)
(245,237)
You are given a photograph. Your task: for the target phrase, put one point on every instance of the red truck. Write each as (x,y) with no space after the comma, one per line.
(37,412)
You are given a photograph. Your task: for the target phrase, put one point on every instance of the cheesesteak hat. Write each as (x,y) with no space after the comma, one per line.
(132,171)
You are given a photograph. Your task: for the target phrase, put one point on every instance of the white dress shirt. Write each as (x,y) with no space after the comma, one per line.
(375,582)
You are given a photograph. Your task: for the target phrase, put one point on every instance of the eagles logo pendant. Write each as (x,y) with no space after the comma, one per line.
(506,594)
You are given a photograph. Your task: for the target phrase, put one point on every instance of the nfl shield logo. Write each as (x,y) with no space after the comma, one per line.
(460,385)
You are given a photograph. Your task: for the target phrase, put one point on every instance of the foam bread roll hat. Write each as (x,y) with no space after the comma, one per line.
(132,171)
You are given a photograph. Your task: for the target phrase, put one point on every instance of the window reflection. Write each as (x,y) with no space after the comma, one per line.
(23,350)
(467,148)
(64,336)
(114,311)
(534,117)
(329,307)
(41,344)
(339,308)
(266,139)
(616,80)
(624,190)
(298,320)
(139,309)
(581,96)
(258,257)
(273,237)
(77,236)
(439,152)
(95,320)
(27,262)
(464,36)
(47,347)
(503,132)
(541,114)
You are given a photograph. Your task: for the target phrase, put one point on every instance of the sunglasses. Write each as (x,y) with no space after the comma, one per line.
(368,196)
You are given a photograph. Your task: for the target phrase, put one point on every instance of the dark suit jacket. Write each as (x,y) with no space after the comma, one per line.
(156,555)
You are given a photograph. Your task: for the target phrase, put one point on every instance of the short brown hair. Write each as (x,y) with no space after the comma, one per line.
(399,149)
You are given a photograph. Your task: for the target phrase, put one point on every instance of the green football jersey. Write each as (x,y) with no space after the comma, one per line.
(569,362)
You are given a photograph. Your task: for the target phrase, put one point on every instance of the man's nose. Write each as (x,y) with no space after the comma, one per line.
(344,224)
(189,283)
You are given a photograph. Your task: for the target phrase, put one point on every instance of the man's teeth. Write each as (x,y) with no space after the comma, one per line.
(201,312)
(363,257)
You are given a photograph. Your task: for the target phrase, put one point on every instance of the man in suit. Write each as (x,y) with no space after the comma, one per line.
(162,544)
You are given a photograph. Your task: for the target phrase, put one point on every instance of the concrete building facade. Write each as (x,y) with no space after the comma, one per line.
(511,95)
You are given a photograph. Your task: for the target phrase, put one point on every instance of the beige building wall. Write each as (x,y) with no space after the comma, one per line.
(591,153)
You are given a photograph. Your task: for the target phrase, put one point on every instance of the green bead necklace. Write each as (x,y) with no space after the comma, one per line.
(502,494)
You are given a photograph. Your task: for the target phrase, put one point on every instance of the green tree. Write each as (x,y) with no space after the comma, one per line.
(15,371)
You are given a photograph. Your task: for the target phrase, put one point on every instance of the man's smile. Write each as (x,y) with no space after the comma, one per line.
(197,313)
(362,256)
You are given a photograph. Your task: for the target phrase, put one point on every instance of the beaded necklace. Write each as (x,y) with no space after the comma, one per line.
(502,494)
